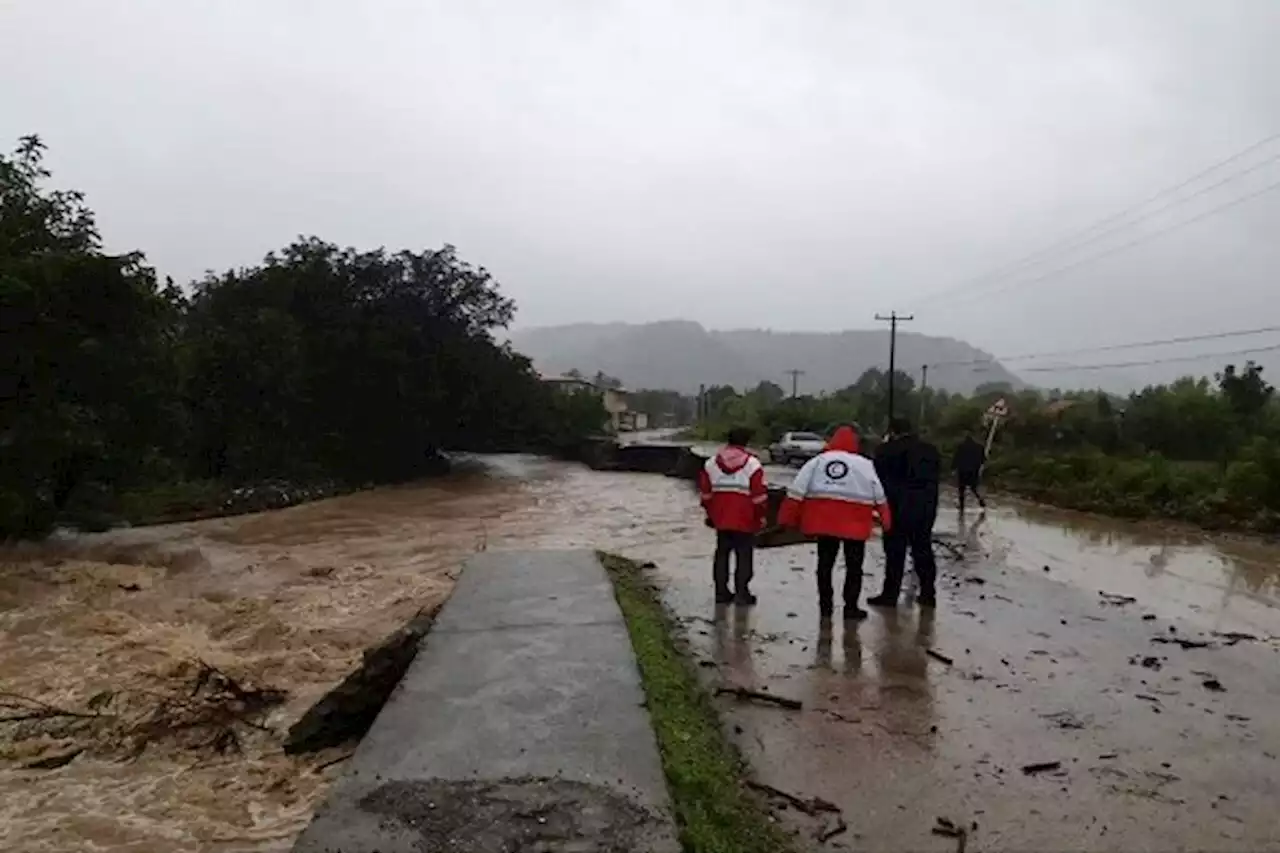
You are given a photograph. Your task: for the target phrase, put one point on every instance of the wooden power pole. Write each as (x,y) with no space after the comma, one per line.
(795,380)
(893,319)
(924,388)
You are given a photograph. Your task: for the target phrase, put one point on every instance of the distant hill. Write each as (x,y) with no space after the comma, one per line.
(681,354)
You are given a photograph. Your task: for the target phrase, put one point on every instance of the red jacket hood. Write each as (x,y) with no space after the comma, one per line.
(732,458)
(844,439)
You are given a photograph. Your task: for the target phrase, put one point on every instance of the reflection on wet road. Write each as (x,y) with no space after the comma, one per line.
(1045,668)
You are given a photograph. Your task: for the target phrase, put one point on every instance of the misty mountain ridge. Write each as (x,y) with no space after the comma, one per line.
(682,354)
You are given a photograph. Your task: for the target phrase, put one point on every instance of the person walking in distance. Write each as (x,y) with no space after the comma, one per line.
(968,461)
(909,469)
(836,497)
(734,497)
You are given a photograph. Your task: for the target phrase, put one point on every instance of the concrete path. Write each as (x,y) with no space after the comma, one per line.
(520,726)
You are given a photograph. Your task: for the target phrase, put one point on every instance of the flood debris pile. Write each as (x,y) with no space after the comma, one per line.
(199,708)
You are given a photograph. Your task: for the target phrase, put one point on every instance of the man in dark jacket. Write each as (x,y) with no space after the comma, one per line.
(909,469)
(968,461)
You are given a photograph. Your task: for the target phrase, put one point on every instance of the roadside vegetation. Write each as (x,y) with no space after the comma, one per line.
(1196,450)
(320,369)
(714,810)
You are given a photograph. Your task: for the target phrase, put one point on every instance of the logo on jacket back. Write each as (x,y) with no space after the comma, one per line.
(836,469)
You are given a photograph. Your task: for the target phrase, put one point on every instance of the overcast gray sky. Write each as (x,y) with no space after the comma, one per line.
(797,165)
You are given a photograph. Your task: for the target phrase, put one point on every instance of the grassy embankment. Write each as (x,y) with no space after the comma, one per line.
(705,775)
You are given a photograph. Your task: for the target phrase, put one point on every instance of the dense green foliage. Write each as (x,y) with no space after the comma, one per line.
(1203,451)
(320,364)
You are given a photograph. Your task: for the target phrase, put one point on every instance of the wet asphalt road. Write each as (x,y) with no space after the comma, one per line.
(1144,663)
(1045,669)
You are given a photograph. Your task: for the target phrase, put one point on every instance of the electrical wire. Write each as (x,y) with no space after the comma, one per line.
(1170,360)
(1123,247)
(1184,339)
(1106,225)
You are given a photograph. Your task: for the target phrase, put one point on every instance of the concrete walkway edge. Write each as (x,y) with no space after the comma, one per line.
(521,720)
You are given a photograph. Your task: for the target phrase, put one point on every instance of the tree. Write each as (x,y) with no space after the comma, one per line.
(318,363)
(89,382)
(603,380)
(768,393)
(360,365)
(1247,393)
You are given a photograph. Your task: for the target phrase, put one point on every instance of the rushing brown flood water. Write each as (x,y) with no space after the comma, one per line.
(289,599)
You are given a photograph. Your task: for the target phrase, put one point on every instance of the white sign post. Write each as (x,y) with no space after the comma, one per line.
(996,413)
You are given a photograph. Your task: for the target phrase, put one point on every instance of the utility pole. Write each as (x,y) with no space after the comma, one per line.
(795,380)
(924,387)
(893,319)
(698,410)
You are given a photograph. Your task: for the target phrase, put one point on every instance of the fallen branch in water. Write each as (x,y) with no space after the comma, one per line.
(939,656)
(760,696)
(205,713)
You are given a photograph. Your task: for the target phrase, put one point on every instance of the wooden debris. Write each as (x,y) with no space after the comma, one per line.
(812,806)
(761,696)
(939,656)
(839,827)
(1041,767)
(948,829)
(1181,641)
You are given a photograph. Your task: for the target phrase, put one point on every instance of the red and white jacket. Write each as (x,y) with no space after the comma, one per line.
(837,493)
(733,490)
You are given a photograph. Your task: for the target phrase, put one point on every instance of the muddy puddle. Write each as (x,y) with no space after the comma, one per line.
(287,600)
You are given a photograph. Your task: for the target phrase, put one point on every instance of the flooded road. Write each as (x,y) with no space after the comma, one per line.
(1045,669)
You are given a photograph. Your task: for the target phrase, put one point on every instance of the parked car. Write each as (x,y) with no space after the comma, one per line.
(795,447)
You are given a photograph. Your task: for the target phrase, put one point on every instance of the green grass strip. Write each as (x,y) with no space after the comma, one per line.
(714,810)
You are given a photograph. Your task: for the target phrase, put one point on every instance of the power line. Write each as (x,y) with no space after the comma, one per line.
(1170,360)
(1102,235)
(1185,339)
(1132,243)
(1039,254)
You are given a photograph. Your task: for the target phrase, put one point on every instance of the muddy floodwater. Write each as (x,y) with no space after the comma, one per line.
(1044,668)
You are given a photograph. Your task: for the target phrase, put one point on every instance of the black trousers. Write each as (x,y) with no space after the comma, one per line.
(854,551)
(918,539)
(966,482)
(742,546)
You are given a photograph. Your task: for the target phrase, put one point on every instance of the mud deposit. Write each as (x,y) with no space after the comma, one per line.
(285,602)
(545,815)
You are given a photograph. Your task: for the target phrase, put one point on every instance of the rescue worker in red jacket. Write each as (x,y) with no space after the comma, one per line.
(734,497)
(836,498)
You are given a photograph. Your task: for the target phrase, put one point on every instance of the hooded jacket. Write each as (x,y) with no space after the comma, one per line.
(733,490)
(837,493)
(969,458)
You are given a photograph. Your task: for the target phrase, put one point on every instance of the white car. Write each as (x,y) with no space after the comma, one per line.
(796,447)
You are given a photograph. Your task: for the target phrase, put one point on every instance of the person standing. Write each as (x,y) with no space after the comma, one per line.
(968,462)
(734,496)
(836,497)
(909,470)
